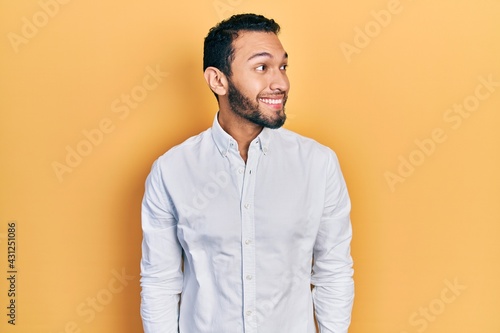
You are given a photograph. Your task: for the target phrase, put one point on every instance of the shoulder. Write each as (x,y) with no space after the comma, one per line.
(185,151)
(290,140)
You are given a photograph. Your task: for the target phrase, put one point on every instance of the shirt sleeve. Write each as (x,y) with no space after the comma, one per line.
(161,263)
(333,285)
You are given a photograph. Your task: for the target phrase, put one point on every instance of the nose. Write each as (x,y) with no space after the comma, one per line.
(279,81)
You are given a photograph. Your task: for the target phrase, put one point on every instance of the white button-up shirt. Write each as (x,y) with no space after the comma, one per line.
(230,247)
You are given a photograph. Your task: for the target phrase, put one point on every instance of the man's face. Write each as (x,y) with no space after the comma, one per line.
(258,86)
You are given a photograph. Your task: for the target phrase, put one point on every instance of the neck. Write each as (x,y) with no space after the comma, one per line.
(242,130)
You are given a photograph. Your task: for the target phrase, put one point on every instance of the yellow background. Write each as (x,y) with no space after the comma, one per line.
(412,238)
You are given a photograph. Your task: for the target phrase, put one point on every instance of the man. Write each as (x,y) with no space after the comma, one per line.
(241,220)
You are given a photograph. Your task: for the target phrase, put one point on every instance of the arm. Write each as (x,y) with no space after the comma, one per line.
(333,291)
(161,263)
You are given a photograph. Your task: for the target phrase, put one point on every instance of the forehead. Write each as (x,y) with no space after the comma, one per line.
(249,43)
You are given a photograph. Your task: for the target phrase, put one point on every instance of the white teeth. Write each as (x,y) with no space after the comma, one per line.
(271,101)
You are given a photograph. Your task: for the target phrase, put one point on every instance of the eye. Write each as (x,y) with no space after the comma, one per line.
(261,68)
(284,67)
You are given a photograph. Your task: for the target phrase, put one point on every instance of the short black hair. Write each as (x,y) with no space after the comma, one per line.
(218,48)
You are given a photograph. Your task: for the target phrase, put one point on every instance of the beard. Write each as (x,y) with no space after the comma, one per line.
(249,110)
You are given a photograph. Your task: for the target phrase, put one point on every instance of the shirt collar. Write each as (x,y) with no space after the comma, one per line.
(225,142)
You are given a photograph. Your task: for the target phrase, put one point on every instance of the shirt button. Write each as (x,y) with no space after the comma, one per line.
(248,241)
(249,313)
(247,206)
(240,171)
(249,277)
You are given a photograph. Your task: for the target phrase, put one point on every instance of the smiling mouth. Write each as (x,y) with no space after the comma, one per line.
(272,101)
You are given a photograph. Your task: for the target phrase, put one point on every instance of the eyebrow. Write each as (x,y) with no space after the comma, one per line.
(265,54)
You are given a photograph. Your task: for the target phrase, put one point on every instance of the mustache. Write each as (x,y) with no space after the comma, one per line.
(274,95)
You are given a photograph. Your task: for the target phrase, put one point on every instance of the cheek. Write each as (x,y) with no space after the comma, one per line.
(256,87)
(252,85)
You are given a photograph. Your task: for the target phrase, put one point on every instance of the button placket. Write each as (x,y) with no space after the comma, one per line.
(248,244)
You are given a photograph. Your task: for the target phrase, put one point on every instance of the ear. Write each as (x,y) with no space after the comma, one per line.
(216,80)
